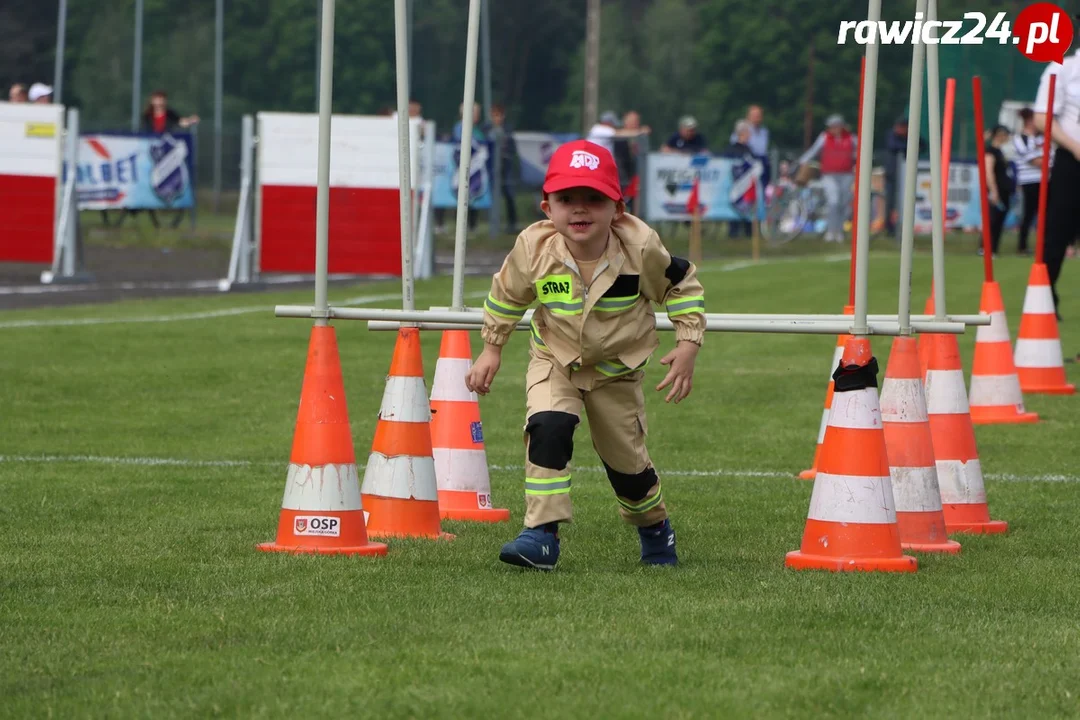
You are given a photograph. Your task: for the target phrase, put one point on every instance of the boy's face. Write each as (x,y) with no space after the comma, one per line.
(582,215)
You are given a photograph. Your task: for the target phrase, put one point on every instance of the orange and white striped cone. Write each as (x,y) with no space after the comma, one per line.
(321,511)
(457,437)
(1038,358)
(399,490)
(911,454)
(838,353)
(995,395)
(852,520)
(960,478)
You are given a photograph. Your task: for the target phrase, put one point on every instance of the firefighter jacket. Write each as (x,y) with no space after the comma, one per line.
(611,324)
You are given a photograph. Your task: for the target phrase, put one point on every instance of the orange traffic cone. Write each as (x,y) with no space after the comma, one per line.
(399,489)
(995,395)
(852,520)
(963,495)
(321,511)
(457,437)
(911,454)
(838,352)
(1039,361)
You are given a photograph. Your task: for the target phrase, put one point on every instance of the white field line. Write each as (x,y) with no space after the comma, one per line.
(747,264)
(171,284)
(719,472)
(224,312)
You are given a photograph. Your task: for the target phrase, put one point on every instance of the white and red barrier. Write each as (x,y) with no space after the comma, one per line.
(31,166)
(365,225)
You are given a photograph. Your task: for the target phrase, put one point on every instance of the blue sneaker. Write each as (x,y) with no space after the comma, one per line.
(658,544)
(536,548)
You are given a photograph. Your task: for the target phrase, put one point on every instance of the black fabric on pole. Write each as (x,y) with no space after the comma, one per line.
(855,377)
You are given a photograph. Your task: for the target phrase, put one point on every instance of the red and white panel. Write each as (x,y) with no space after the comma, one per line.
(365,223)
(31,157)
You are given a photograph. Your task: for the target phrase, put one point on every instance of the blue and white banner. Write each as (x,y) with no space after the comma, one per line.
(728,188)
(535,150)
(444,190)
(138,172)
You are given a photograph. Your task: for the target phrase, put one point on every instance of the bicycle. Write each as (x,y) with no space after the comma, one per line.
(798,205)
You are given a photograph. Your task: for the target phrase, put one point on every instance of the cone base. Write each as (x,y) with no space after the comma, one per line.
(369,549)
(808,474)
(798,560)
(949,546)
(1049,389)
(1001,416)
(490,515)
(991,527)
(400,518)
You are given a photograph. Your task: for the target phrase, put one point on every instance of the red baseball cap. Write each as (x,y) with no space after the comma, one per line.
(583,164)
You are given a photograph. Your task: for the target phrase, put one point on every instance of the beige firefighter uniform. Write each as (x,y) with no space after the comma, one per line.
(589,345)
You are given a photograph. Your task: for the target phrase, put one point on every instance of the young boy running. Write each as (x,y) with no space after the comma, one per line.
(596,272)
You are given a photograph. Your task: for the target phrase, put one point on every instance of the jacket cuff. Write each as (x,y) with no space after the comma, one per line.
(491,336)
(690,333)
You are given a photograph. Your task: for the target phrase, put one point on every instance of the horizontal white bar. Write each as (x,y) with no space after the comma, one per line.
(475,319)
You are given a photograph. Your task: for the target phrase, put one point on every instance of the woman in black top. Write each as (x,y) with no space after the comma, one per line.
(1000,184)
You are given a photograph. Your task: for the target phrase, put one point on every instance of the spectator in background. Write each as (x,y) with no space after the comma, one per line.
(18,94)
(896,153)
(687,140)
(741,151)
(40,93)
(605,132)
(159,118)
(478,137)
(837,146)
(502,136)
(628,148)
(758,136)
(416,110)
(1000,184)
(1028,144)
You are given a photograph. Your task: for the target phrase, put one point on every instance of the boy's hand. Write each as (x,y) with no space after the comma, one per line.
(680,375)
(480,375)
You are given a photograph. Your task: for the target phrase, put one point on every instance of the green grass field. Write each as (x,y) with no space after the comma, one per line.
(142,462)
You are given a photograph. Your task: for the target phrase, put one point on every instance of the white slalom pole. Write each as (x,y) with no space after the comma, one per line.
(866,138)
(468,101)
(322,193)
(911,171)
(937,210)
(401,45)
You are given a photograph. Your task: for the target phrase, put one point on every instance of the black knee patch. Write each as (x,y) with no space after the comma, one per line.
(551,439)
(632,487)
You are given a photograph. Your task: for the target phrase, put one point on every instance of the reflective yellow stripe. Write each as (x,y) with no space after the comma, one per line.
(645,505)
(614,304)
(565,308)
(536,334)
(547,486)
(615,368)
(504,310)
(684,305)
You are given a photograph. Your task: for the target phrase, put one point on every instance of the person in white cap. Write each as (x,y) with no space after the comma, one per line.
(40,93)
(838,147)
(609,127)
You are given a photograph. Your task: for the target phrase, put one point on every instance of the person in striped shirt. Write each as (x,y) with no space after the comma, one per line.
(1028,147)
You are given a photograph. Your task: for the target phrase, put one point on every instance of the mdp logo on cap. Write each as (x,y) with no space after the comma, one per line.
(583,158)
